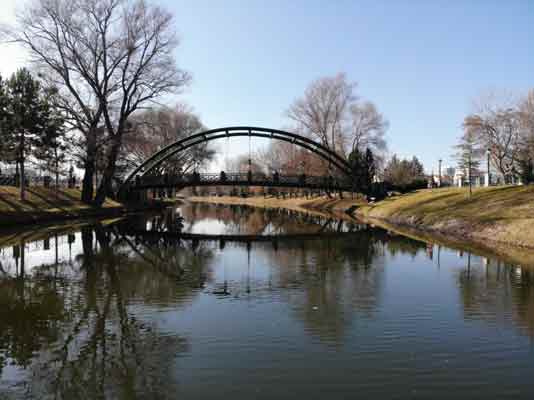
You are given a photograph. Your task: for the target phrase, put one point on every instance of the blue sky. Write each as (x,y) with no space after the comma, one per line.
(421,62)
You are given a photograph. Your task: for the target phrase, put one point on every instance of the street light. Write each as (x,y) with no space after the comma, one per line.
(439,172)
(488,152)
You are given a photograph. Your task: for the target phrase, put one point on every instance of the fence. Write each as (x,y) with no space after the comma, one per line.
(44,181)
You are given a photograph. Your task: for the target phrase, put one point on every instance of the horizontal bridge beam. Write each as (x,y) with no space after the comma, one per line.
(241,179)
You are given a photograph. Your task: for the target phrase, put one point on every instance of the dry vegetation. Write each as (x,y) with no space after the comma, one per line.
(45,204)
(502,214)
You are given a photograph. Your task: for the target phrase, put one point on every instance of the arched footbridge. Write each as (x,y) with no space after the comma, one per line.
(144,176)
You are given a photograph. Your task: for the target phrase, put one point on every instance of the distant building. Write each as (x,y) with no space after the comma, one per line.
(446,178)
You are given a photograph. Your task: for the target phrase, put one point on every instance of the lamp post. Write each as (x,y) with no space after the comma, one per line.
(439,172)
(488,182)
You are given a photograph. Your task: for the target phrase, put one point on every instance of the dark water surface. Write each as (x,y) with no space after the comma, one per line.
(284,305)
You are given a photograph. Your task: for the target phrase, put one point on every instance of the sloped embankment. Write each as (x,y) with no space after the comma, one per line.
(500,215)
(44,205)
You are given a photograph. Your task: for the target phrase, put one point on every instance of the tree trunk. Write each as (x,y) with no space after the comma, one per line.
(22,177)
(89,166)
(22,181)
(57,172)
(105,188)
(470,180)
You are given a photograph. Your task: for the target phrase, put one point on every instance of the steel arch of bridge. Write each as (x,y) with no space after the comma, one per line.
(181,145)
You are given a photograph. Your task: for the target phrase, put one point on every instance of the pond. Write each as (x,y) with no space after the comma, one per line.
(207,301)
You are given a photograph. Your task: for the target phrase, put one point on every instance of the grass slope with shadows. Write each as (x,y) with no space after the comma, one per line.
(503,215)
(42,204)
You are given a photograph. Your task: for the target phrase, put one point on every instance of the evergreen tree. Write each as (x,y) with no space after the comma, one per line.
(25,120)
(363,168)
(370,168)
(355,160)
(468,156)
(50,144)
(5,131)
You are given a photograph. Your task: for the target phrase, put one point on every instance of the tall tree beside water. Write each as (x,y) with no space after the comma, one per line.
(26,121)
(108,58)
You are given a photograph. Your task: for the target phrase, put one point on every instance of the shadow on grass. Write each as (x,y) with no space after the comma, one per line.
(16,206)
(68,196)
(47,201)
(11,204)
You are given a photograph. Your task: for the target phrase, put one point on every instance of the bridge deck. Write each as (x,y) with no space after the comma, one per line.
(243,179)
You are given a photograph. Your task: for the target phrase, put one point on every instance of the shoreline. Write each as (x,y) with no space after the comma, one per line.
(494,217)
(477,234)
(513,254)
(49,206)
(318,205)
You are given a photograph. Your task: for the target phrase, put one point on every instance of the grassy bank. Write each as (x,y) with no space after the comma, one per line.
(44,205)
(502,215)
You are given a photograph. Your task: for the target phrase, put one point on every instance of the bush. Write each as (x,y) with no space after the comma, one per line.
(416,184)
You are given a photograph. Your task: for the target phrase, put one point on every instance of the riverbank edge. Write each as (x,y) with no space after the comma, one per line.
(458,235)
(424,211)
(8,220)
(45,217)
(320,205)
(25,219)
(514,254)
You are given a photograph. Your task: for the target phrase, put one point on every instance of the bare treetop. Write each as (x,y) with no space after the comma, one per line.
(322,109)
(368,127)
(108,58)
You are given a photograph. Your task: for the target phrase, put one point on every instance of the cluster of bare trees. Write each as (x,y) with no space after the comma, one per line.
(107,59)
(330,112)
(504,131)
(153,129)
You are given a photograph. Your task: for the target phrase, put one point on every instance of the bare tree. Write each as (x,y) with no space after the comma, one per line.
(526,110)
(109,58)
(367,130)
(497,126)
(154,129)
(322,111)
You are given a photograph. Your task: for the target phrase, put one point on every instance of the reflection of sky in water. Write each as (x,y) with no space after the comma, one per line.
(207,226)
(41,252)
(375,314)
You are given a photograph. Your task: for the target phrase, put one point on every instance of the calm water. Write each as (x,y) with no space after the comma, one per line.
(234,302)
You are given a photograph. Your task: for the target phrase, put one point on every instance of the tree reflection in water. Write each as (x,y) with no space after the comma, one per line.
(89,326)
(490,290)
(72,331)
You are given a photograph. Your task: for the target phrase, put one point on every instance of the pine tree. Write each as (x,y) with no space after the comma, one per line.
(24,119)
(5,131)
(356,162)
(370,168)
(50,144)
(468,156)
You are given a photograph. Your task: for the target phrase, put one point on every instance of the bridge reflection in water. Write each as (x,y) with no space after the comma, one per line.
(148,294)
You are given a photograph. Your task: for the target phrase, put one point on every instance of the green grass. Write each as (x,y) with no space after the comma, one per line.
(44,203)
(504,214)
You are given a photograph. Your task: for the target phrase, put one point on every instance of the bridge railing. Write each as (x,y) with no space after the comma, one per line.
(240,178)
(32,181)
